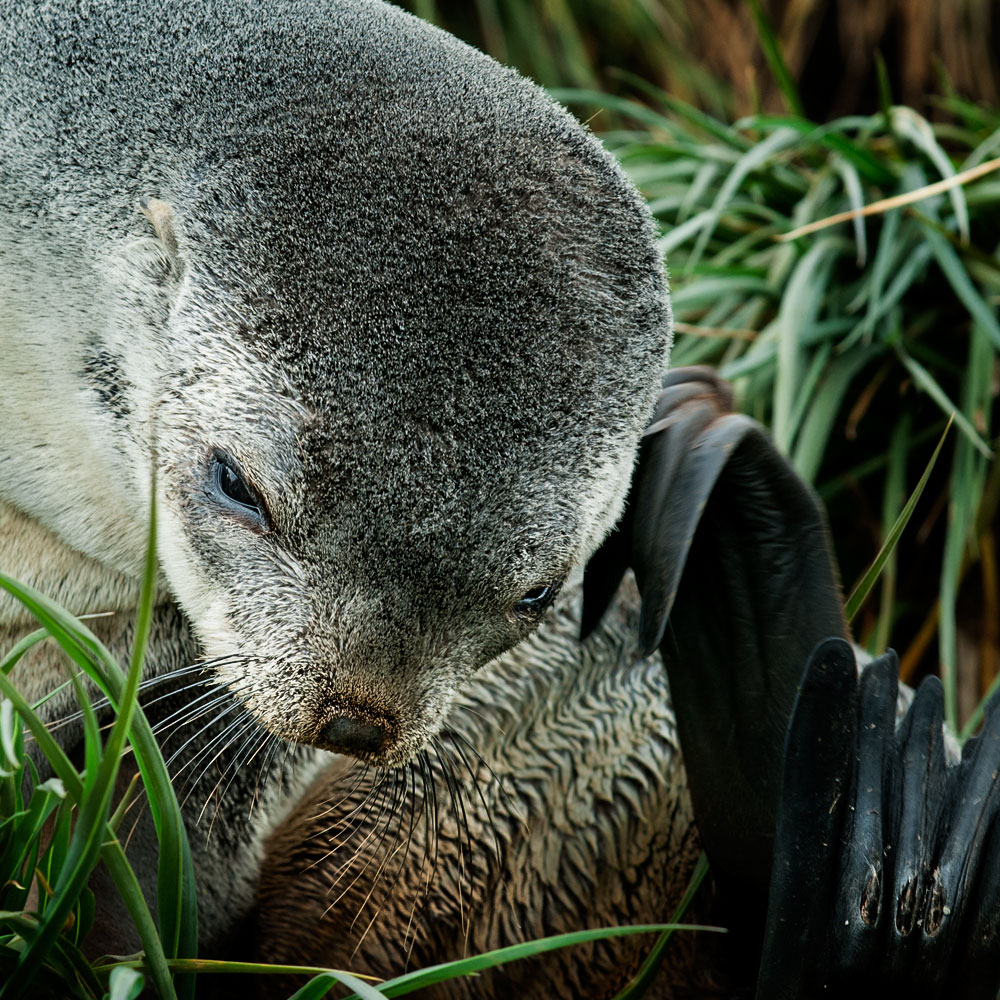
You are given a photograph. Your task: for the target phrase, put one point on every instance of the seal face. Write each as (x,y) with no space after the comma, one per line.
(388,326)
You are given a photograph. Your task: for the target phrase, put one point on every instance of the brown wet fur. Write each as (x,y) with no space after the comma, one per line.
(593,828)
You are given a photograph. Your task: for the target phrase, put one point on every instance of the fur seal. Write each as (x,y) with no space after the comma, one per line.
(385,319)
(595,825)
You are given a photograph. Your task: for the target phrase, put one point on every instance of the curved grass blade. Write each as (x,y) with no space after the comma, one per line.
(125,983)
(322,984)
(961,283)
(682,109)
(915,128)
(9,661)
(881,303)
(928,383)
(28,827)
(210,966)
(647,973)
(756,157)
(852,187)
(411,981)
(772,52)
(830,136)
(866,583)
(624,106)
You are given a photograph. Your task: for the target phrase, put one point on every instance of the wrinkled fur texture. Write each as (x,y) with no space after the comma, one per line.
(414,301)
(574,813)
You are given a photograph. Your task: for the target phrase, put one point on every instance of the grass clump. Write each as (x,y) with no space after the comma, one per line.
(39,945)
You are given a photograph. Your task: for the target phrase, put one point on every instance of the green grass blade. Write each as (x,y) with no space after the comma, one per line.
(28,827)
(772,52)
(917,130)
(91,731)
(9,727)
(910,270)
(892,503)
(800,304)
(113,855)
(211,966)
(462,967)
(76,977)
(987,149)
(972,723)
(643,979)
(322,984)
(811,442)
(9,661)
(806,395)
(622,105)
(176,890)
(77,968)
(713,127)
(831,137)
(855,198)
(756,157)
(866,583)
(53,753)
(929,384)
(968,480)
(961,283)
(125,983)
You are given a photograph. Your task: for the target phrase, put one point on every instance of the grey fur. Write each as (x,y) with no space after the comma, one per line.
(418,304)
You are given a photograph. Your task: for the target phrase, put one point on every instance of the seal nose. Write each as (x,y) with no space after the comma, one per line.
(347,735)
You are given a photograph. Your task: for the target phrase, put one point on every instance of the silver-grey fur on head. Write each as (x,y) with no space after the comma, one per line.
(410,297)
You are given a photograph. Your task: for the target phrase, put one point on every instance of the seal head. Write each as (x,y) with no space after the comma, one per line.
(389,330)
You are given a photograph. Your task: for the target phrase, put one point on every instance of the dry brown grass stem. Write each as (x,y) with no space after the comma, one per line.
(897,201)
(725,333)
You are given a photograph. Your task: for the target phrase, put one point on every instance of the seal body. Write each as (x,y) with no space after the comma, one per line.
(573,813)
(384,320)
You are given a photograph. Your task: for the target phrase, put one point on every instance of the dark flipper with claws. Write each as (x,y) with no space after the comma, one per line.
(886,864)
(730,544)
(887,861)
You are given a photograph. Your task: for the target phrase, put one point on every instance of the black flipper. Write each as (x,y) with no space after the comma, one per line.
(730,545)
(886,863)
(886,877)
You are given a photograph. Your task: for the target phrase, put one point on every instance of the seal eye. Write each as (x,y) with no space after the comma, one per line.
(232,489)
(535,601)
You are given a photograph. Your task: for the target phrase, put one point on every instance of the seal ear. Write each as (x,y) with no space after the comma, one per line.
(886,877)
(733,563)
(161,217)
